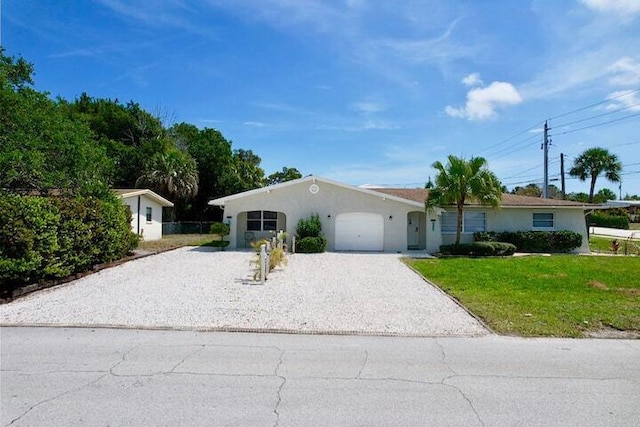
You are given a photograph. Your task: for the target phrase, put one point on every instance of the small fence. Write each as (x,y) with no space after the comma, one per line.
(186,227)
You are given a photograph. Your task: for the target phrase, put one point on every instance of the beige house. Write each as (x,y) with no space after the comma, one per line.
(384,219)
(146,211)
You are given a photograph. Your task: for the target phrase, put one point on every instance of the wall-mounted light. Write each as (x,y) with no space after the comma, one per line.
(390,217)
(329,216)
(433,224)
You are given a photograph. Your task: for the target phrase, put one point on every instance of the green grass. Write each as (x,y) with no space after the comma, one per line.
(562,295)
(601,244)
(173,241)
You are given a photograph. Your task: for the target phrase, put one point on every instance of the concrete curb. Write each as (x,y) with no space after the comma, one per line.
(238,330)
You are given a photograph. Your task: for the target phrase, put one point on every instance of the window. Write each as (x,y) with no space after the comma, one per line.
(474,221)
(471,222)
(149,214)
(543,220)
(262,221)
(449,222)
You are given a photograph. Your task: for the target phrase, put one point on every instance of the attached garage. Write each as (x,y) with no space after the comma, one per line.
(359,231)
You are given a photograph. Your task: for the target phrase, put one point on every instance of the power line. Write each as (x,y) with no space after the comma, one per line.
(504,141)
(597,124)
(596,116)
(595,104)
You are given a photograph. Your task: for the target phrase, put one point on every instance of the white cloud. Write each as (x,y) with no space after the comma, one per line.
(626,72)
(368,107)
(624,99)
(623,8)
(482,103)
(254,124)
(472,79)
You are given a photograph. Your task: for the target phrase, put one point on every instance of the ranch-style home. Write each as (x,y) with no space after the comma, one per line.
(146,211)
(385,219)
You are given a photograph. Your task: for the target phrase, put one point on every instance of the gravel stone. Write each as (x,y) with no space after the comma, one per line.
(199,288)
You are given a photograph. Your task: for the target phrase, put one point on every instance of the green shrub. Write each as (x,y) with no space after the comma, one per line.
(309,237)
(604,219)
(220,229)
(534,241)
(479,249)
(311,245)
(311,227)
(45,238)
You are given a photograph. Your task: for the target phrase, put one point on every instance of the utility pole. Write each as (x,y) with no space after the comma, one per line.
(562,175)
(545,147)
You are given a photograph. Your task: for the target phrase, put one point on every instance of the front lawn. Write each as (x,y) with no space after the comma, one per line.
(173,241)
(561,295)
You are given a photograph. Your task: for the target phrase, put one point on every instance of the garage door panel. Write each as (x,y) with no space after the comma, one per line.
(359,231)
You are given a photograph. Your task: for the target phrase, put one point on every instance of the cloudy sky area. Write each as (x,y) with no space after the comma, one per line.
(360,91)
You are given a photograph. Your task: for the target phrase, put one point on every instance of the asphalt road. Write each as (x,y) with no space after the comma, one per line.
(80,377)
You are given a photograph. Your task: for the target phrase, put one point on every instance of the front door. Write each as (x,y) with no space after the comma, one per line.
(413,230)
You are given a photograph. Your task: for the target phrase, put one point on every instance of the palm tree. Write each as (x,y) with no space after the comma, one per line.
(173,173)
(592,163)
(461,180)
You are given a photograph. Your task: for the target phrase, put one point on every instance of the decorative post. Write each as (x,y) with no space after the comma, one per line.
(264,259)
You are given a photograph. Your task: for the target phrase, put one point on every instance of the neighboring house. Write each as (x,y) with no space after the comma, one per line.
(631,206)
(385,219)
(146,211)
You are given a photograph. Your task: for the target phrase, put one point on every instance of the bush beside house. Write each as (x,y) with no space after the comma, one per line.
(610,220)
(479,249)
(534,241)
(43,238)
(309,237)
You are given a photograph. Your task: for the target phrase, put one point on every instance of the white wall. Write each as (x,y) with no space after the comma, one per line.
(521,219)
(296,202)
(149,230)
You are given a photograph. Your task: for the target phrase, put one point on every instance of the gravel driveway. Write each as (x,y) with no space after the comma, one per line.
(203,289)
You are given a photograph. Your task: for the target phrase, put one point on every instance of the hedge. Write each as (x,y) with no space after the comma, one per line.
(311,245)
(43,238)
(479,249)
(602,219)
(534,241)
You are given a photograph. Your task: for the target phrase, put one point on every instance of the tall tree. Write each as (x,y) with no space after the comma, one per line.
(287,174)
(593,162)
(41,146)
(172,173)
(461,181)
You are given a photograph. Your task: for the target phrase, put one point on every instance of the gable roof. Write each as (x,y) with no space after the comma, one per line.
(413,196)
(311,178)
(133,192)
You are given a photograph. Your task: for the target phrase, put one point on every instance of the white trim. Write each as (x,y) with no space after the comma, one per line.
(124,193)
(314,179)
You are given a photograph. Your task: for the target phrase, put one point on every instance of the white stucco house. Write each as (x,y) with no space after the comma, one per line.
(385,219)
(146,211)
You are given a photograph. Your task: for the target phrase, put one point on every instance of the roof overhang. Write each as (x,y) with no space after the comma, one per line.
(125,193)
(313,179)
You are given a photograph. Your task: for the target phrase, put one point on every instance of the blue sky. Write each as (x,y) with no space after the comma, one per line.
(360,91)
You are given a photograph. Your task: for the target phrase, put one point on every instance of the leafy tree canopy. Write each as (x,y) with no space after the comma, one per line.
(41,146)
(286,174)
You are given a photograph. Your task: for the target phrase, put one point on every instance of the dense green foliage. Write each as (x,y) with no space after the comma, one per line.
(287,174)
(309,237)
(479,249)
(52,237)
(560,295)
(461,181)
(604,219)
(534,241)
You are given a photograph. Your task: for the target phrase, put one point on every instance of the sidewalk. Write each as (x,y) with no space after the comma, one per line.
(614,232)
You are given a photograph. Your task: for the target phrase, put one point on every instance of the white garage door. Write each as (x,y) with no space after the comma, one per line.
(359,231)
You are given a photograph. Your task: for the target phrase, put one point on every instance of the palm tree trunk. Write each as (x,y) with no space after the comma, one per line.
(593,186)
